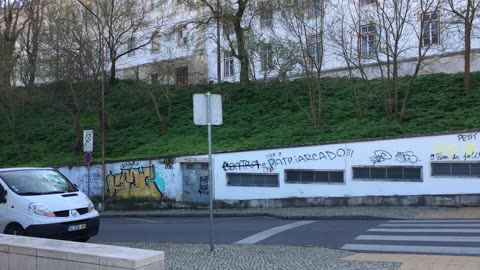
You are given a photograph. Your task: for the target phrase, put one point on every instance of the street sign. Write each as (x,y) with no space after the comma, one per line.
(200,109)
(88,141)
(88,158)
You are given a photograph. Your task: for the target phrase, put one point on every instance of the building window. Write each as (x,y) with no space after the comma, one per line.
(314,48)
(366,2)
(266,18)
(228,67)
(154,78)
(155,44)
(155,4)
(460,169)
(313,176)
(267,57)
(130,46)
(314,8)
(368,35)
(181,76)
(182,35)
(252,180)
(431,28)
(392,173)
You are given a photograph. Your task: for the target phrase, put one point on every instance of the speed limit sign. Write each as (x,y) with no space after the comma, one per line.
(87,140)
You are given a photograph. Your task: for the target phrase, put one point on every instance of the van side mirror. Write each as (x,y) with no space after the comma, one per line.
(3,195)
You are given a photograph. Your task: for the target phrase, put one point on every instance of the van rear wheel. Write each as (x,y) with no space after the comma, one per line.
(15,230)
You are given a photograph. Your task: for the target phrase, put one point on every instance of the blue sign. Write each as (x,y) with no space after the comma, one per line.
(88,158)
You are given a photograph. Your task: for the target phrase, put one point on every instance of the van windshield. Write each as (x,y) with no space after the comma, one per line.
(36,182)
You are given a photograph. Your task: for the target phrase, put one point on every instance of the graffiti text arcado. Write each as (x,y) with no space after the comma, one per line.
(139,182)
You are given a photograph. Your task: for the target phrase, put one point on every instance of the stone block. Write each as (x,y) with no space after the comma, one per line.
(51,264)
(3,261)
(81,266)
(154,266)
(21,262)
(131,258)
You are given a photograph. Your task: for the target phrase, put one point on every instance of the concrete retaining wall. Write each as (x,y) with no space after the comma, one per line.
(27,253)
(414,200)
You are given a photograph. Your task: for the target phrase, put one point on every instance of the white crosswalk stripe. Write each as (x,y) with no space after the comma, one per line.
(460,236)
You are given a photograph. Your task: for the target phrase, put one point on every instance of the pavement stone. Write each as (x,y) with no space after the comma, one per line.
(256,257)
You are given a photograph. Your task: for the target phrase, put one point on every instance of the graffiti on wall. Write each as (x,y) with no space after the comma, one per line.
(464,149)
(90,185)
(135,181)
(203,187)
(402,157)
(278,159)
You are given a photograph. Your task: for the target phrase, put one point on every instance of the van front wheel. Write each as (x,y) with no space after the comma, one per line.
(15,230)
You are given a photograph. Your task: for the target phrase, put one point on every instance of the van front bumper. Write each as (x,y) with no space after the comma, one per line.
(73,230)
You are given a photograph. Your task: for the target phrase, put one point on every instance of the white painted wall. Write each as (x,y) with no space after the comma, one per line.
(421,150)
(417,151)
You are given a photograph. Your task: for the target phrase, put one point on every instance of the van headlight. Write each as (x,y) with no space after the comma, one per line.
(40,209)
(89,204)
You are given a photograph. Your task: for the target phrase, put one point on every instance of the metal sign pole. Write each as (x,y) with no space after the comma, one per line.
(88,179)
(210,186)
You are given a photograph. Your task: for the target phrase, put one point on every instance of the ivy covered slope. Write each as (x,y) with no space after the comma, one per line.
(256,116)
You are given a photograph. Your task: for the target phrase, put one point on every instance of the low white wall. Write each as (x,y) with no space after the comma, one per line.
(417,151)
(27,253)
(164,178)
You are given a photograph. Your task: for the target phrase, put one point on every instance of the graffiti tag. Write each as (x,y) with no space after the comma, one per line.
(304,158)
(406,157)
(130,164)
(380,156)
(203,186)
(467,137)
(402,157)
(241,165)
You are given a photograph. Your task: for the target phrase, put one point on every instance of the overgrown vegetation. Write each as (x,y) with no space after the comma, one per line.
(255,116)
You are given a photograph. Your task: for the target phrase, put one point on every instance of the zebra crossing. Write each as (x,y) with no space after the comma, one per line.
(436,236)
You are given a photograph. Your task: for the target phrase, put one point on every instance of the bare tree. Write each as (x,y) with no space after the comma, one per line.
(303,32)
(398,38)
(235,17)
(30,41)
(465,12)
(343,35)
(125,27)
(11,25)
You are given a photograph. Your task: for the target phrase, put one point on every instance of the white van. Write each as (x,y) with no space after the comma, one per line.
(41,202)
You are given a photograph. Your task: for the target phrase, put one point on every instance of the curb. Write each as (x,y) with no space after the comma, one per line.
(283,217)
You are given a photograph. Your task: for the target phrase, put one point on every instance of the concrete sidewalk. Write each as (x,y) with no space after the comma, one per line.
(311,213)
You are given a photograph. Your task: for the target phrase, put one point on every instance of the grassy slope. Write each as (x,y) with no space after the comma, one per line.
(257,117)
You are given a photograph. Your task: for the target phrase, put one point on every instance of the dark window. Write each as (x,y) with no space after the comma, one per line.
(266,18)
(228,66)
(267,57)
(366,2)
(252,180)
(314,8)
(431,28)
(456,169)
(393,173)
(181,75)
(368,34)
(312,176)
(154,78)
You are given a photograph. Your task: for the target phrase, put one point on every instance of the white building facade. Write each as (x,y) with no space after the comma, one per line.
(286,39)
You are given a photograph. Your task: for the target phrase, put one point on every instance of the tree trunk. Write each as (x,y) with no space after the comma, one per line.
(468,48)
(113,72)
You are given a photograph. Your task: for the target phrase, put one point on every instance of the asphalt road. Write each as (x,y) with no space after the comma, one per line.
(328,233)
(405,236)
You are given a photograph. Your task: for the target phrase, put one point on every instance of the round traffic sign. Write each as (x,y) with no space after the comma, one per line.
(88,158)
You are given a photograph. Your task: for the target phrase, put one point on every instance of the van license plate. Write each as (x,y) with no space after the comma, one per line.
(77,227)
